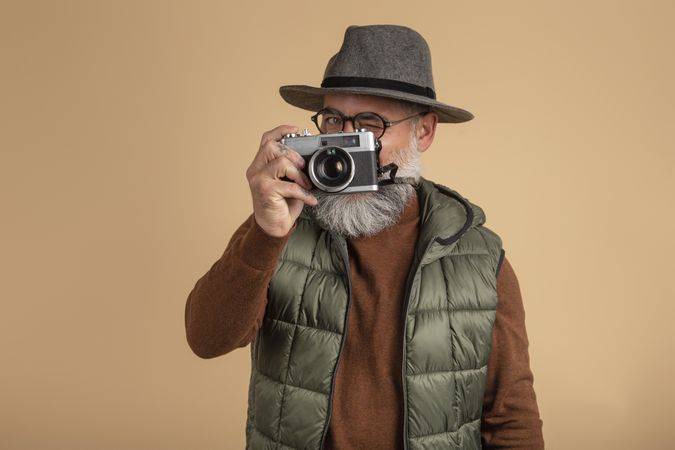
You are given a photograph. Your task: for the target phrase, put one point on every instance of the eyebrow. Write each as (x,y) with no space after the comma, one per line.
(335,110)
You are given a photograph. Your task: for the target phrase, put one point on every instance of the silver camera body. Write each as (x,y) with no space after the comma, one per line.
(338,163)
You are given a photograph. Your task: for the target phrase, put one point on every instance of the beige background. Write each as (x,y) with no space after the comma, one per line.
(125,131)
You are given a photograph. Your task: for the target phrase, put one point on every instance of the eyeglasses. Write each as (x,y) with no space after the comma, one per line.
(329,120)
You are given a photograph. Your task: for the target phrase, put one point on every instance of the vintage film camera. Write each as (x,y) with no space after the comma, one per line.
(338,163)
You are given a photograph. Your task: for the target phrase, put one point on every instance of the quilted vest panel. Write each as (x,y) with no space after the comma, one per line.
(450,310)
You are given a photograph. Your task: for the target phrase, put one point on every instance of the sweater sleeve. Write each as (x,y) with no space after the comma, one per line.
(225,308)
(510,412)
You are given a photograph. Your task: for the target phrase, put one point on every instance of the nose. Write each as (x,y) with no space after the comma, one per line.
(348,125)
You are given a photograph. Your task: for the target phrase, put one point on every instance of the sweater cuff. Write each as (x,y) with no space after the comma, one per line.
(259,250)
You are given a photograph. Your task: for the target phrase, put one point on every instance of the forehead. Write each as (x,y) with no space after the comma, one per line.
(351,104)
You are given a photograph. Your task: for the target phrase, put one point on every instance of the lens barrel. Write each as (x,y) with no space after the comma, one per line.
(331,169)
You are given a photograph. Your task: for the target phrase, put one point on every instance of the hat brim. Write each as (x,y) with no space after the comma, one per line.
(311,99)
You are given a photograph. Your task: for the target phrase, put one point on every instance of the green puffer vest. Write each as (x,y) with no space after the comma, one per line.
(449,310)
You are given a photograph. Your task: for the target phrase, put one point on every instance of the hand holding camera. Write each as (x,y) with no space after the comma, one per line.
(287,162)
(277,203)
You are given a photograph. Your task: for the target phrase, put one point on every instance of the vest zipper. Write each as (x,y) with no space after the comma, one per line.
(345,256)
(408,289)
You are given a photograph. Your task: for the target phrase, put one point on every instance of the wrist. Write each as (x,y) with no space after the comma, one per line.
(259,249)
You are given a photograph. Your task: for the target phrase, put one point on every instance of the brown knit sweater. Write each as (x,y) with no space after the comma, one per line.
(227,305)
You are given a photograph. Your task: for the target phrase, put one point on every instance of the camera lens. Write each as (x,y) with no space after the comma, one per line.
(331,169)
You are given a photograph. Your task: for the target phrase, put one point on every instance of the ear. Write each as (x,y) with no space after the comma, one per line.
(425,130)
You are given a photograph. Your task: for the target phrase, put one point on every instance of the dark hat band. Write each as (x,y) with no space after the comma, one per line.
(380,83)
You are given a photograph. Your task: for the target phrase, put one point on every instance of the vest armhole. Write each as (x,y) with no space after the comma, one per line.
(499,263)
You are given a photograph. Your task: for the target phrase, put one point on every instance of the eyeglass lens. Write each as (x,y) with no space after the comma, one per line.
(329,121)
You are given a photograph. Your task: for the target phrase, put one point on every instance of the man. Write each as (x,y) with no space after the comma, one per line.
(377,320)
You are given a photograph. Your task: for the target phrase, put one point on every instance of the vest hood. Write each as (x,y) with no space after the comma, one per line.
(445,215)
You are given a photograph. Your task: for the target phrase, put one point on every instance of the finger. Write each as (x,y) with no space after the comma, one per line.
(277,133)
(288,189)
(272,150)
(293,155)
(267,153)
(283,167)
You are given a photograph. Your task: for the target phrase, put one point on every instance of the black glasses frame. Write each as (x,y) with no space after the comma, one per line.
(352,119)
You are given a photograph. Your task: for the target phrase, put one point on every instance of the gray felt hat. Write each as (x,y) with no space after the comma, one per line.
(383,60)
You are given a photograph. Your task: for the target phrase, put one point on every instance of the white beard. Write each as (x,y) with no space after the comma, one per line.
(365,214)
